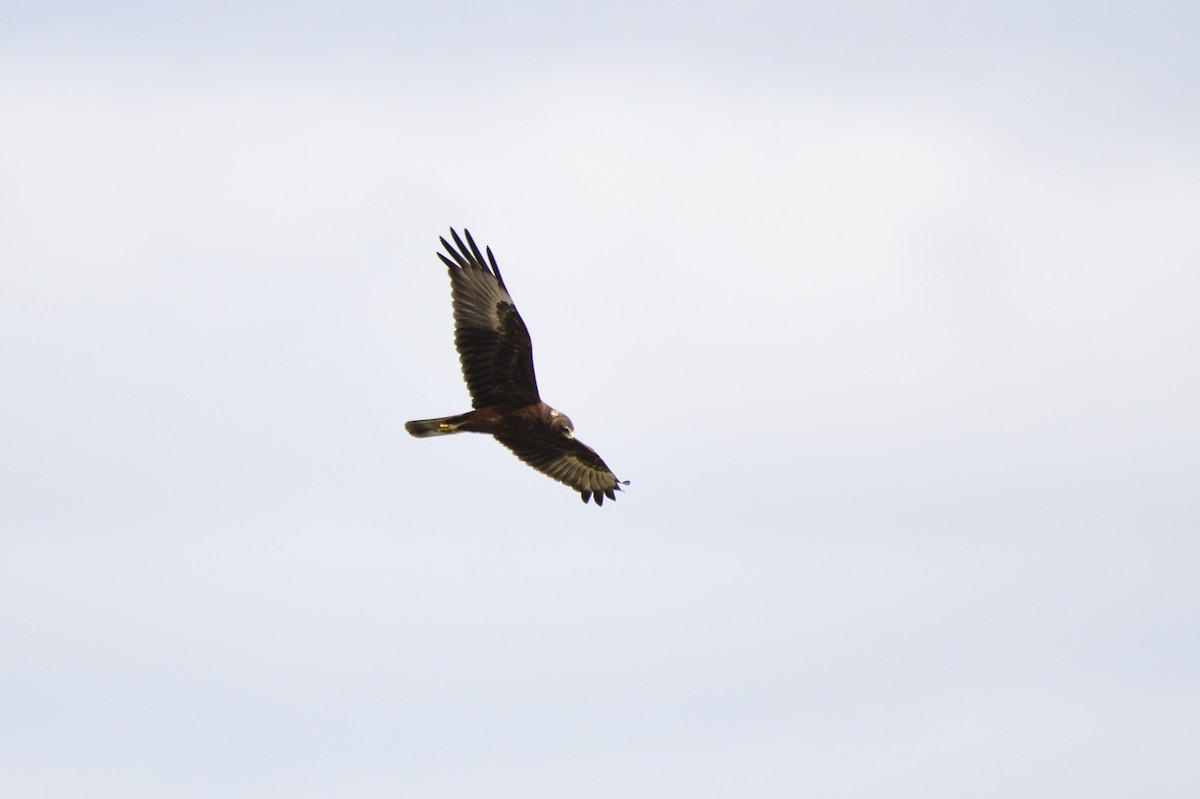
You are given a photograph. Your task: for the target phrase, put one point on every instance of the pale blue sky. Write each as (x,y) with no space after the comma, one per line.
(887,314)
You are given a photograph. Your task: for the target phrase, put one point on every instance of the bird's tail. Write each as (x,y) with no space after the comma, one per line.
(423,428)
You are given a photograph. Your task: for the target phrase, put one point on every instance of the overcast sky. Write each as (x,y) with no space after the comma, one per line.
(888,313)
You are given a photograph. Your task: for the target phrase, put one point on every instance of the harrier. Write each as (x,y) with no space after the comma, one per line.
(497,362)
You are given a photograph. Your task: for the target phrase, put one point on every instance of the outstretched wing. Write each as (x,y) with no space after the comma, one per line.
(568,461)
(493,343)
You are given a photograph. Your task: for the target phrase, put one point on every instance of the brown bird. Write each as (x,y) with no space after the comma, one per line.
(497,363)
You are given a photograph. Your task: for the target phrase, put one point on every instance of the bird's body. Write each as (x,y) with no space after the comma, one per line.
(497,362)
(530,420)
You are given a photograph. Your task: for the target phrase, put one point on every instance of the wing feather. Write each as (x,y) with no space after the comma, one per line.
(493,343)
(570,462)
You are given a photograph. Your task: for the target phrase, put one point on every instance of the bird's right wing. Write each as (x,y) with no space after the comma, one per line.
(568,461)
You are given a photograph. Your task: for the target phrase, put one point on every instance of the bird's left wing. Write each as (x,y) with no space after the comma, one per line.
(492,340)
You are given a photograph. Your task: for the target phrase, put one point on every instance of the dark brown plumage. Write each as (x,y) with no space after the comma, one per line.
(497,363)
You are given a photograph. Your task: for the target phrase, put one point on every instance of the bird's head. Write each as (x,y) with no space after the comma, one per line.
(560,422)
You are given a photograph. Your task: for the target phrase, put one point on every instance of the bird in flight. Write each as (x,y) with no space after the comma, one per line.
(497,363)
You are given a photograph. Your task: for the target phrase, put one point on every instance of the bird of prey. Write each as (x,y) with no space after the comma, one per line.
(497,363)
